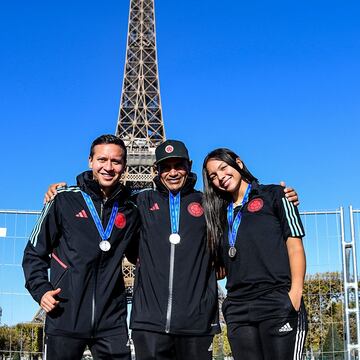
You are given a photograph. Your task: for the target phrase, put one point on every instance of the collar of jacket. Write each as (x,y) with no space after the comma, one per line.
(187,188)
(87,183)
(254,189)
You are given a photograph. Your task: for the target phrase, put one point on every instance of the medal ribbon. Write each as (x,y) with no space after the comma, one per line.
(235,223)
(174,207)
(103,234)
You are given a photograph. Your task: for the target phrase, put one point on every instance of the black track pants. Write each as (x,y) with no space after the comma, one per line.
(266,328)
(106,348)
(159,346)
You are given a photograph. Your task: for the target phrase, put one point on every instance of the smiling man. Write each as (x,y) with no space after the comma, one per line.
(175,309)
(82,236)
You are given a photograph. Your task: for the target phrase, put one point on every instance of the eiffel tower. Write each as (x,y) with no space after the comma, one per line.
(140,122)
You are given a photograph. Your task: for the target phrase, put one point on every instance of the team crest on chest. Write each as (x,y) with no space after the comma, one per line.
(255,205)
(195,209)
(169,149)
(120,220)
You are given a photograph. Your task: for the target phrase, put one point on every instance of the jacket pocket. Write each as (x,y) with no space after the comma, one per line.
(58,270)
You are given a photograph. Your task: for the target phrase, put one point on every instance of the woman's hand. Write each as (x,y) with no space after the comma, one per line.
(295,299)
(220,273)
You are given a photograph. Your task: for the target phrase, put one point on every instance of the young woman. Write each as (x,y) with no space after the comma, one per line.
(256,233)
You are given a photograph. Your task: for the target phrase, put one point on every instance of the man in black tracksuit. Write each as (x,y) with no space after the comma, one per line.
(174,311)
(82,236)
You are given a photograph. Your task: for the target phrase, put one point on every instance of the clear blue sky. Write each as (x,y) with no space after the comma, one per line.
(276,81)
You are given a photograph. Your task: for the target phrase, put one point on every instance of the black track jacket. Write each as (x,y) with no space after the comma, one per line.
(66,240)
(175,289)
(261,264)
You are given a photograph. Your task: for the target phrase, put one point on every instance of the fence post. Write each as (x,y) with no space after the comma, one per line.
(351,300)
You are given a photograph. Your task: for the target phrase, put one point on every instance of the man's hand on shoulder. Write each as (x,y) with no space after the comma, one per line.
(290,194)
(52,192)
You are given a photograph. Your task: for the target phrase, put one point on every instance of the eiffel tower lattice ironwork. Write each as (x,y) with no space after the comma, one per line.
(140,122)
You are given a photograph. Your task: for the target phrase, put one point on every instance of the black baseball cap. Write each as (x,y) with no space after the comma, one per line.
(171,149)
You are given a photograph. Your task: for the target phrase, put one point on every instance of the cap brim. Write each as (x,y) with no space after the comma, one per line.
(171,157)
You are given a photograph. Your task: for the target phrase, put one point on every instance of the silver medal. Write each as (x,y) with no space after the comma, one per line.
(232,251)
(174,239)
(105,245)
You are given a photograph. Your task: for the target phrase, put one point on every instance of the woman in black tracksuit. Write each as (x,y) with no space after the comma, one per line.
(257,235)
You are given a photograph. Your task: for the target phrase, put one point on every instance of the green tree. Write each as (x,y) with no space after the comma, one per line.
(221,346)
(324,297)
(8,340)
(226,344)
(21,338)
(16,356)
(217,347)
(30,337)
(333,348)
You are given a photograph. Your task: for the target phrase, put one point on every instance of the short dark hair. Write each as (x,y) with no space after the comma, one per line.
(108,139)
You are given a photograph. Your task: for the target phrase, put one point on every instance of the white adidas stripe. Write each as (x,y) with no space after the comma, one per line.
(296,218)
(68,189)
(289,217)
(35,233)
(292,218)
(300,336)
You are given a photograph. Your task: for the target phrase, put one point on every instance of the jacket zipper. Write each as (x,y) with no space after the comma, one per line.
(171,282)
(93,302)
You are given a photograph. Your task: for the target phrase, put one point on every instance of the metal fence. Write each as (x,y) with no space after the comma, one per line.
(18,338)
(331,290)
(324,285)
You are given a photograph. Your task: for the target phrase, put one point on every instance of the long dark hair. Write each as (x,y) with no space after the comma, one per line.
(215,201)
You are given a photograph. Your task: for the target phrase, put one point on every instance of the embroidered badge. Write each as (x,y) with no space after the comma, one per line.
(195,209)
(169,149)
(120,220)
(255,205)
